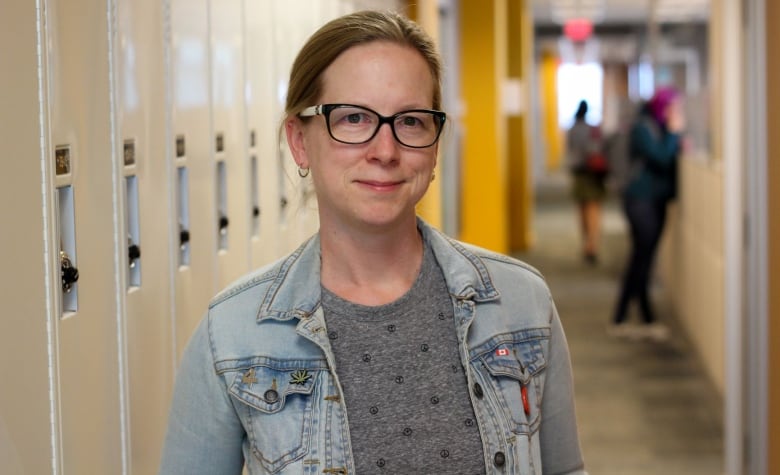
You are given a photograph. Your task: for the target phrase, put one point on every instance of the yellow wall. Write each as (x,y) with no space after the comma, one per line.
(496,206)
(425,12)
(484,168)
(553,138)
(520,192)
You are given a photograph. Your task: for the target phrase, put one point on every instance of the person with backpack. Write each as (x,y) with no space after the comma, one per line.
(588,167)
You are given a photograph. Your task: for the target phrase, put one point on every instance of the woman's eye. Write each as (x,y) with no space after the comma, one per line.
(410,121)
(354,118)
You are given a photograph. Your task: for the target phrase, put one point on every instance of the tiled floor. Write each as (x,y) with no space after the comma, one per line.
(643,408)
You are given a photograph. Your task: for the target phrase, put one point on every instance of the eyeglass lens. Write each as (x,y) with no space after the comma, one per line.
(356,125)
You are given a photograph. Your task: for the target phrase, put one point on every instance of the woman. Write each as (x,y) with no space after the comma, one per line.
(380,345)
(654,143)
(588,189)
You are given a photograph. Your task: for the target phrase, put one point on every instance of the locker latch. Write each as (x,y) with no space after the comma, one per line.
(133,252)
(70,275)
(223,224)
(184,236)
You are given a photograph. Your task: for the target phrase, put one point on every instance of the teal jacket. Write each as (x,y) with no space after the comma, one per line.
(653,161)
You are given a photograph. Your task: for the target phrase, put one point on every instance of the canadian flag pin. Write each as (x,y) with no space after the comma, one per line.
(502,352)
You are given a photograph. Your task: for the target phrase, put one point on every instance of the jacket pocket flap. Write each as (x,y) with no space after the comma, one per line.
(517,360)
(266,389)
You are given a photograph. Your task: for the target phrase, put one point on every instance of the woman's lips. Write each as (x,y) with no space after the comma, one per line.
(380,185)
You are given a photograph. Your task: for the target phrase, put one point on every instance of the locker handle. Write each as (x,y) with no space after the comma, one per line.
(223,223)
(256,211)
(133,253)
(70,274)
(184,237)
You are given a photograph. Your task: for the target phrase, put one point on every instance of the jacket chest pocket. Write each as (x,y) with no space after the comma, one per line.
(513,371)
(276,407)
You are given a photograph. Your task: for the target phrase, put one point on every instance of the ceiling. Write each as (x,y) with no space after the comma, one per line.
(620,12)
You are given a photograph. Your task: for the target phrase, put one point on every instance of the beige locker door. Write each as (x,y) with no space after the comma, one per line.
(263,122)
(195,242)
(25,404)
(86,328)
(228,131)
(294,21)
(145,218)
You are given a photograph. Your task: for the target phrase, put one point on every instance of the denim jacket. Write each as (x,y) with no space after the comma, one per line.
(257,383)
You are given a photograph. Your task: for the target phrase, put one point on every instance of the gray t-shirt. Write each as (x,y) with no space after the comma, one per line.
(404,386)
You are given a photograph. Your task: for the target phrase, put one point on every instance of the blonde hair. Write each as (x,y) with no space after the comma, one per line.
(337,36)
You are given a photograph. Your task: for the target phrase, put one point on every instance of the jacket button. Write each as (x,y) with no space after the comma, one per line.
(478,391)
(271,396)
(499,459)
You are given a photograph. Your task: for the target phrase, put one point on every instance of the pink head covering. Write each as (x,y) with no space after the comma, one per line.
(660,100)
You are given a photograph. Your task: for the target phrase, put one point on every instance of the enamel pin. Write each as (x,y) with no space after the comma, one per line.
(249,377)
(300,377)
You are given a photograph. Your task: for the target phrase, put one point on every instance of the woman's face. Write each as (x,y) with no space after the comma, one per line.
(673,108)
(378,183)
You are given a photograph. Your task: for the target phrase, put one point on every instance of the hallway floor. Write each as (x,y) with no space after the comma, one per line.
(643,408)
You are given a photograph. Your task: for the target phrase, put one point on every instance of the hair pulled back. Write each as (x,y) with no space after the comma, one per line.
(340,34)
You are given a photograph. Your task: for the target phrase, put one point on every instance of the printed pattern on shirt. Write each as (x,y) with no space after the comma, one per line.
(404,386)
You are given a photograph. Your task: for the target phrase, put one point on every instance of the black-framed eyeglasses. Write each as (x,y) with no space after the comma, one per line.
(350,124)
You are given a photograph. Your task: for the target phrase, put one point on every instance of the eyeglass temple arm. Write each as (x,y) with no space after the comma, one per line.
(311,111)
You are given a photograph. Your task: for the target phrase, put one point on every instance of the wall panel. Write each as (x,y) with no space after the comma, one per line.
(692,264)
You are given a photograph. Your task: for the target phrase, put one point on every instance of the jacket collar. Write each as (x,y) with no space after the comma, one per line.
(295,290)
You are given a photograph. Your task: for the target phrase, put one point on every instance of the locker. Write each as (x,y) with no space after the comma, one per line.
(87,333)
(263,118)
(26,408)
(194,185)
(231,140)
(294,22)
(146,224)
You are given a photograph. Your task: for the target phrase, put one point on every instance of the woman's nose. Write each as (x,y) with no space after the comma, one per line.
(384,146)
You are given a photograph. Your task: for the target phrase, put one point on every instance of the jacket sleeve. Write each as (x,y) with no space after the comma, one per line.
(204,432)
(559,441)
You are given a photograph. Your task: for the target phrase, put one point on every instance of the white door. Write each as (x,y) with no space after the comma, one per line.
(87,331)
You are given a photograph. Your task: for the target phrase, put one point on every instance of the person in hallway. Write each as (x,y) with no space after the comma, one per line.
(654,144)
(587,165)
(379,345)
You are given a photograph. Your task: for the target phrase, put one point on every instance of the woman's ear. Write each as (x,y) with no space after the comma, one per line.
(293,128)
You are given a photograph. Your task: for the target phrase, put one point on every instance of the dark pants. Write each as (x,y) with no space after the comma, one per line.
(646,219)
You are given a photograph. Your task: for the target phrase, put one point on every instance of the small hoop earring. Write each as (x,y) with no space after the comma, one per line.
(303,172)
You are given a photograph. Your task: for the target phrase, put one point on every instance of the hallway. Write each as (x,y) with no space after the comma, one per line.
(643,408)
